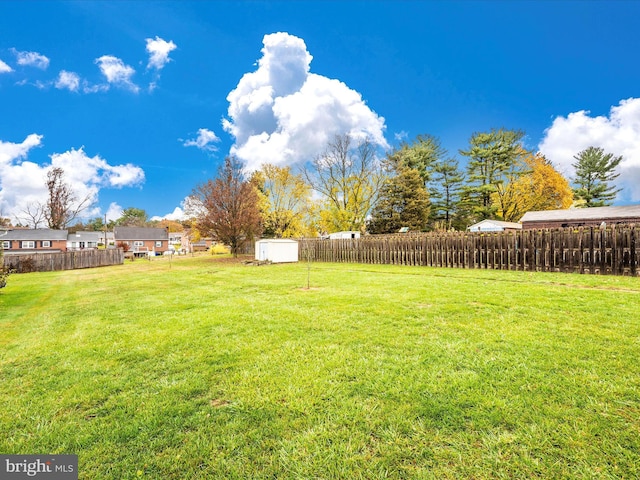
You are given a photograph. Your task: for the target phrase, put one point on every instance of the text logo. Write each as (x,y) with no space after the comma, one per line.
(45,467)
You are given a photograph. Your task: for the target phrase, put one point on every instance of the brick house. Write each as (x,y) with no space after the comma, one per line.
(142,240)
(39,240)
(582,217)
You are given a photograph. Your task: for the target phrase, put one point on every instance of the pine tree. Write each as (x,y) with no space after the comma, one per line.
(403,202)
(491,155)
(595,170)
(446,184)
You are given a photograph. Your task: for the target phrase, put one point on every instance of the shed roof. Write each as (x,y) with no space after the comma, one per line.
(497,223)
(35,234)
(140,233)
(277,240)
(576,214)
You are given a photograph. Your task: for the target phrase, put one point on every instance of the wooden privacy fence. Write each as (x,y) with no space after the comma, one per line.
(610,251)
(48,262)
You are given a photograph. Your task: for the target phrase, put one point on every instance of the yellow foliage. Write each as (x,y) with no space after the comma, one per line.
(540,187)
(219,249)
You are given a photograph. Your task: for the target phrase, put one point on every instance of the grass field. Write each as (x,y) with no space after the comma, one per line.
(202,368)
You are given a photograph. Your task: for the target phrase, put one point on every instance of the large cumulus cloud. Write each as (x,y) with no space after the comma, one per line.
(283,114)
(22,182)
(617,133)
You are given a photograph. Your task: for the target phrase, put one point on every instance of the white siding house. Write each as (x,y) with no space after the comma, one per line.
(277,250)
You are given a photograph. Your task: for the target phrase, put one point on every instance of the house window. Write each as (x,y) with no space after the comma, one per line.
(158,243)
(138,243)
(46,243)
(6,244)
(27,244)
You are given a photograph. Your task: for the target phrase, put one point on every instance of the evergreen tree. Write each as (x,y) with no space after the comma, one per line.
(445,195)
(403,202)
(595,170)
(422,155)
(491,155)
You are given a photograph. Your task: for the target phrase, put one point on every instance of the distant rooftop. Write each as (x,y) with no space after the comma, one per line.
(593,213)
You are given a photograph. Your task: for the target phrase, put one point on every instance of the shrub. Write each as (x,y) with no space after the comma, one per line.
(4,272)
(219,249)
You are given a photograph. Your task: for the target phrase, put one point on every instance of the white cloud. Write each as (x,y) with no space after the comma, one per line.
(159,51)
(31,59)
(15,152)
(114,212)
(22,182)
(176,215)
(4,68)
(117,72)
(617,133)
(283,114)
(204,141)
(68,80)
(401,136)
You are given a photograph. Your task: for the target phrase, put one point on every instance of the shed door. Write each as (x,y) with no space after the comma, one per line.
(264,251)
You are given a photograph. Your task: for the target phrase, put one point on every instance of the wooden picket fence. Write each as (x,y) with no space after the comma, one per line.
(592,250)
(48,262)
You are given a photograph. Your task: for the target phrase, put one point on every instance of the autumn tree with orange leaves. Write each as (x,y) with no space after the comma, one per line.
(228,207)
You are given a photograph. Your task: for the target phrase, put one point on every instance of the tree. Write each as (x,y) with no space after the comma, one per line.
(491,155)
(132,217)
(445,192)
(403,202)
(422,155)
(349,178)
(62,205)
(32,215)
(540,187)
(228,207)
(595,170)
(4,272)
(285,201)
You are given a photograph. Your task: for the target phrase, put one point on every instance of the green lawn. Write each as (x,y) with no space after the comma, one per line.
(199,368)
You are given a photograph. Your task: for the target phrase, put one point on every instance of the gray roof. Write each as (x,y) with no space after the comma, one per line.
(140,233)
(34,234)
(85,237)
(577,214)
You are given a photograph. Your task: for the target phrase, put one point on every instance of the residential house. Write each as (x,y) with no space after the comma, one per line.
(40,240)
(88,240)
(494,226)
(142,240)
(581,217)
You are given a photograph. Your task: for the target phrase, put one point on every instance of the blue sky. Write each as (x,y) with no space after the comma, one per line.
(141,101)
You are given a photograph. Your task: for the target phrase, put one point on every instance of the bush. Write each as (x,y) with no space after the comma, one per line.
(219,249)
(4,272)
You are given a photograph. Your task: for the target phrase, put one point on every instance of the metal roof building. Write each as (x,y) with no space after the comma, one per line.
(579,217)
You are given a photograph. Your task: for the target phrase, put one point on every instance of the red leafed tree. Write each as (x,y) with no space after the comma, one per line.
(228,207)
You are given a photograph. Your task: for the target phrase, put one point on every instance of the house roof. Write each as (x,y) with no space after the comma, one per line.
(140,233)
(496,223)
(35,234)
(576,214)
(85,236)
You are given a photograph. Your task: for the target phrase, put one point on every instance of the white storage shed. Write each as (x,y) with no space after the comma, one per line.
(344,235)
(277,250)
